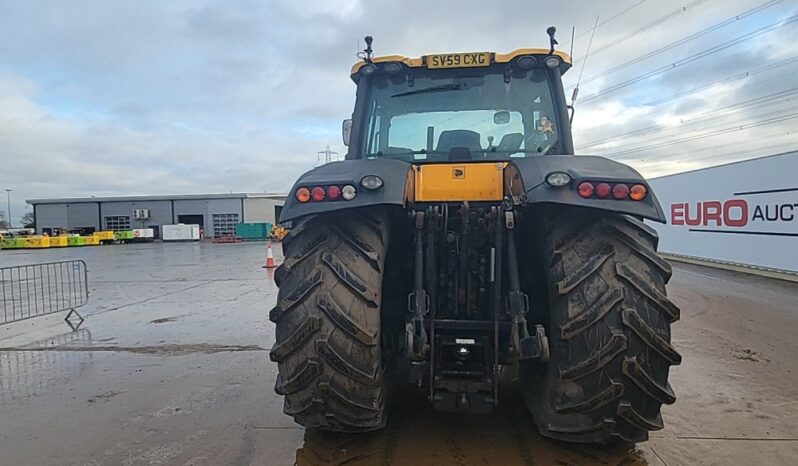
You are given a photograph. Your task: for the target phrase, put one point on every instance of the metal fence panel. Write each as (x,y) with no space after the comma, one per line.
(28,291)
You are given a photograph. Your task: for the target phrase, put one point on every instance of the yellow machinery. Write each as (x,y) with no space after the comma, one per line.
(104,237)
(91,240)
(59,241)
(278,232)
(461,236)
(37,242)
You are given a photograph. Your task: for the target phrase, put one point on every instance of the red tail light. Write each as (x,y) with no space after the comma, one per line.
(602,190)
(620,191)
(333,192)
(585,189)
(317,194)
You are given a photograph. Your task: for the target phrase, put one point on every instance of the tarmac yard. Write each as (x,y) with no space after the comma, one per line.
(172,367)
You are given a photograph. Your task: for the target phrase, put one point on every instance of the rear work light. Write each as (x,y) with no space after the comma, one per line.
(371,182)
(558,179)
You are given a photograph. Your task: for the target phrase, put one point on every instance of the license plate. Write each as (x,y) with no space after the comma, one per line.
(458,60)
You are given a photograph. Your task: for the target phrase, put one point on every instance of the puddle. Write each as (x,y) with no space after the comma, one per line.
(24,374)
(416,434)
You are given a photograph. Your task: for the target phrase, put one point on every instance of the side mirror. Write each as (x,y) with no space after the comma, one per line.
(346,130)
(501,117)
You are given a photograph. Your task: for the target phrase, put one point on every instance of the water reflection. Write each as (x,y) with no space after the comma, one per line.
(417,435)
(29,372)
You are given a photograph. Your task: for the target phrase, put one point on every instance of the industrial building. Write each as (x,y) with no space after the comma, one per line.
(217,214)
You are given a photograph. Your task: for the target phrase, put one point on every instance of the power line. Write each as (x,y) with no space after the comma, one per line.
(741,154)
(662,19)
(684,40)
(615,16)
(701,117)
(669,137)
(737,77)
(708,134)
(584,62)
(757,146)
(692,58)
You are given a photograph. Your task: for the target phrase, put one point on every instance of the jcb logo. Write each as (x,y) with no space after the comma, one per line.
(458,173)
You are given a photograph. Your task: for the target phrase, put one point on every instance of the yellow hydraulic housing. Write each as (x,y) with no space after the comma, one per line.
(467,181)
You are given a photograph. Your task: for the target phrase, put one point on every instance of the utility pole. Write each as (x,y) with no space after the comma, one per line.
(8,195)
(327,155)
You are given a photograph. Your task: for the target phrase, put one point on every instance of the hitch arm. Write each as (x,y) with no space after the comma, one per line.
(418,301)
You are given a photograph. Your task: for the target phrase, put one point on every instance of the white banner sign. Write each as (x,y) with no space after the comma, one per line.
(745,212)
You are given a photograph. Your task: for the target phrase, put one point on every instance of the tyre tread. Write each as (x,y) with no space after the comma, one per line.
(610,324)
(327,316)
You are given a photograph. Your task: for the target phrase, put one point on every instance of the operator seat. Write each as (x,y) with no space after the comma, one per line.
(459,144)
(510,142)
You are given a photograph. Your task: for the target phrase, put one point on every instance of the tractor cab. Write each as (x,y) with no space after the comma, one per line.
(460,107)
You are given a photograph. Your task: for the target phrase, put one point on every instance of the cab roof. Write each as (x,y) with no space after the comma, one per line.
(420,62)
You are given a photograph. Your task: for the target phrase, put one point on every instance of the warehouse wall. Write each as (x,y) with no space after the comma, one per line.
(260,210)
(744,212)
(160,213)
(94,214)
(50,216)
(207,208)
(83,215)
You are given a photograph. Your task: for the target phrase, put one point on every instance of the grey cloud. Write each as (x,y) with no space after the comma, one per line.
(102,97)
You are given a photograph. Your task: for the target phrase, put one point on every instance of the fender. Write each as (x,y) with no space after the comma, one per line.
(396,175)
(527,178)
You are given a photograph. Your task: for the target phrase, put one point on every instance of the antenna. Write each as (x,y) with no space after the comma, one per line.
(584,62)
(573,31)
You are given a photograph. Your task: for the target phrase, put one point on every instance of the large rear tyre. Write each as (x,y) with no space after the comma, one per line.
(609,330)
(328,322)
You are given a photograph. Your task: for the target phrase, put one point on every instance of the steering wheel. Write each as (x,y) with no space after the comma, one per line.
(540,142)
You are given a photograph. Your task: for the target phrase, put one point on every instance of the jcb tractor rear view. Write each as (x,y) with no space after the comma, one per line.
(460,236)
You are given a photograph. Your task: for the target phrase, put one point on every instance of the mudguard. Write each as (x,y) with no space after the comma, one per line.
(395,174)
(527,178)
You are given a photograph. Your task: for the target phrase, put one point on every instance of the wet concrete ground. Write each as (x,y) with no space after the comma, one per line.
(172,367)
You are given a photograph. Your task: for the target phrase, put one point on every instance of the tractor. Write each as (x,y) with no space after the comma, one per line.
(461,238)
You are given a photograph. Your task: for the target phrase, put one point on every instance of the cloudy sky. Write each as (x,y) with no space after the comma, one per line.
(142,97)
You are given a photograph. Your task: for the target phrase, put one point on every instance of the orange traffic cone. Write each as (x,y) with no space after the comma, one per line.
(269,257)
